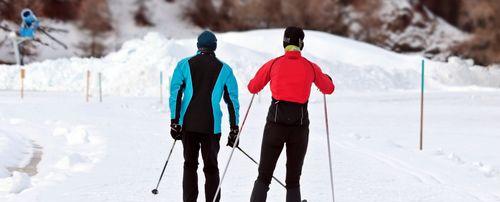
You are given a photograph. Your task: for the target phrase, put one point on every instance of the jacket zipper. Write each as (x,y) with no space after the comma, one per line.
(276,112)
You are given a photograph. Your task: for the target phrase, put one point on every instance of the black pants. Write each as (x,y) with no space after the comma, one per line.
(275,137)
(209,144)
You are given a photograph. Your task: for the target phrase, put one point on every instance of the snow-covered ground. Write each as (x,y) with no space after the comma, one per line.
(115,150)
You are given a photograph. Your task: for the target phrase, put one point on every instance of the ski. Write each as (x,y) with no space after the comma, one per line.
(5,28)
(54,39)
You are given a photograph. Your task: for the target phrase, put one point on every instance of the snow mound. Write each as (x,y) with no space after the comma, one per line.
(59,131)
(15,184)
(15,151)
(74,162)
(134,70)
(78,135)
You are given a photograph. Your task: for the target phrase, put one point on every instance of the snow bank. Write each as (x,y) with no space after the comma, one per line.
(15,184)
(134,69)
(15,151)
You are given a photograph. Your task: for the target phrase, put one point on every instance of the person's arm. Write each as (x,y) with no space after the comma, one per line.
(231,99)
(177,86)
(323,81)
(261,78)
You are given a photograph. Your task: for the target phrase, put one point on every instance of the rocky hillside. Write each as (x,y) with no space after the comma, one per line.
(434,28)
(480,18)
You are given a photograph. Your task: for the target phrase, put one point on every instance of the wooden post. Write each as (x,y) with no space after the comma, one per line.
(23,75)
(88,85)
(422,108)
(100,87)
(161,87)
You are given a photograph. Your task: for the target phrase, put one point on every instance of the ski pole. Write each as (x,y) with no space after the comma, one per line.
(329,150)
(155,191)
(232,150)
(276,179)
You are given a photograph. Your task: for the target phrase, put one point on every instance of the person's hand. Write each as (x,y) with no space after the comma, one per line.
(233,134)
(329,77)
(175,131)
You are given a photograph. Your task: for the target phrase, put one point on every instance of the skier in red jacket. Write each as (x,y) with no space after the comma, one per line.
(291,77)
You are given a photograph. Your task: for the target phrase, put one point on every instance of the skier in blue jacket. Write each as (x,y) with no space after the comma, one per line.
(197,87)
(29,25)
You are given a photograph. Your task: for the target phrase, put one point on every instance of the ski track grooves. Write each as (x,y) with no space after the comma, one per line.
(421,175)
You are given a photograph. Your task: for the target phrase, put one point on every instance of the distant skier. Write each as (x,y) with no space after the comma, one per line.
(29,25)
(291,77)
(198,84)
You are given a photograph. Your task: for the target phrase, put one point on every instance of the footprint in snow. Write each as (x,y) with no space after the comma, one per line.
(487,170)
(358,136)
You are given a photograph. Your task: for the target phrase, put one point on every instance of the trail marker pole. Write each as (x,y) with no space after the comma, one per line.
(161,87)
(23,75)
(88,85)
(422,107)
(100,87)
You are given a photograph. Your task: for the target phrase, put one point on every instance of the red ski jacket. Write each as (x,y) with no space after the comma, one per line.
(291,77)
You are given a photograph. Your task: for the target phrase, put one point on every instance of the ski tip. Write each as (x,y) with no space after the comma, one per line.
(304,200)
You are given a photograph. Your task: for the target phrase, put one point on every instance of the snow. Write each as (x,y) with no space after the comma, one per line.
(115,150)
(134,70)
(375,149)
(166,17)
(427,30)
(15,151)
(15,184)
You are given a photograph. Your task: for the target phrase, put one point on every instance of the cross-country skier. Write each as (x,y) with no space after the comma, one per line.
(291,77)
(198,85)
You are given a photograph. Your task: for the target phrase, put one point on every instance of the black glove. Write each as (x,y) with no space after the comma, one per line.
(233,134)
(175,130)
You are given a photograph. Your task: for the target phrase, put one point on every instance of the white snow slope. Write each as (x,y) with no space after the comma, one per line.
(115,150)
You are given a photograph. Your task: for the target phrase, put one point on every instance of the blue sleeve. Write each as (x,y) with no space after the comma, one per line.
(177,86)
(231,99)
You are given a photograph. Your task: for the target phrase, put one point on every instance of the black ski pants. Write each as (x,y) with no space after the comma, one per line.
(275,137)
(209,145)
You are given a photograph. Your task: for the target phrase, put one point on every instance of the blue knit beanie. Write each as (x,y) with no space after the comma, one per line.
(207,41)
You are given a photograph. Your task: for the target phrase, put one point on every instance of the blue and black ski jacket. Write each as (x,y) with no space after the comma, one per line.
(198,84)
